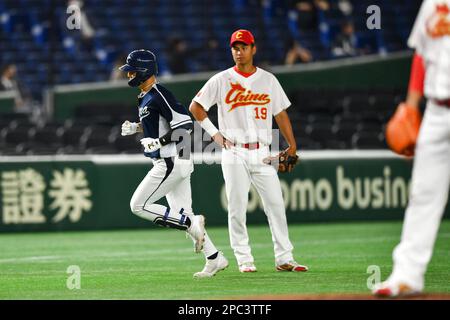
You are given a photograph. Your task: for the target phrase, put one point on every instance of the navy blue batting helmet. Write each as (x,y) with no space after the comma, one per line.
(143,62)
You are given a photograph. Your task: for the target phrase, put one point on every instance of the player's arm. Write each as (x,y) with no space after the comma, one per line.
(198,112)
(416,82)
(129,128)
(284,123)
(170,137)
(201,116)
(408,116)
(153,144)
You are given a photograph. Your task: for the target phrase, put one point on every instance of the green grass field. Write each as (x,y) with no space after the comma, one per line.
(159,263)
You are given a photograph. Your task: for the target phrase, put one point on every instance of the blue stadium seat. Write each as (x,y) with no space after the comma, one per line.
(124,26)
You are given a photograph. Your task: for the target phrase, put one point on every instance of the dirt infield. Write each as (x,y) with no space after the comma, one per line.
(427,296)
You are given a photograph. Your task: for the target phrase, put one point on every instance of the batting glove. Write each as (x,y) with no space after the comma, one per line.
(129,128)
(150,144)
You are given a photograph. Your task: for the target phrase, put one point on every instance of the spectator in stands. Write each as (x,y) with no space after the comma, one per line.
(8,78)
(178,55)
(86,30)
(307,13)
(346,7)
(211,55)
(116,74)
(9,82)
(322,5)
(296,53)
(345,43)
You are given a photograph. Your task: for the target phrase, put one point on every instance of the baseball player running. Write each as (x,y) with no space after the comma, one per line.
(247,97)
(160,116)
(430,76)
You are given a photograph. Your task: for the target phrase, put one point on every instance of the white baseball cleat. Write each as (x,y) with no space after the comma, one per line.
(292,266)
(197,232)
(388,289)
(213,266)
(247,267)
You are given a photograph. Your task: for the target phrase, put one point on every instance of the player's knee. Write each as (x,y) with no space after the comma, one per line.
(135,207)
(238,203)
(237,212)
(274,203)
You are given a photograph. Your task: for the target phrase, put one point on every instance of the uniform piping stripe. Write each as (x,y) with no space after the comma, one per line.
(172,110)
(181,123)
(166,215)
(173,221)
(169,164)
(161,217)
(164,98)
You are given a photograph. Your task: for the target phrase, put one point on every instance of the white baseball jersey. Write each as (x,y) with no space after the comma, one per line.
(430,37)
(245,104)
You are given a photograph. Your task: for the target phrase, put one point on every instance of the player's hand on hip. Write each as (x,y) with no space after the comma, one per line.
(291,150)
(222,141)
(129,128)
(150,144)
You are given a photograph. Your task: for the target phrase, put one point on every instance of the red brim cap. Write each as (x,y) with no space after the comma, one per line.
(242,35)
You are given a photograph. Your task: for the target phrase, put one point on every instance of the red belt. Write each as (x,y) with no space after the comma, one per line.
(250,146)
(442,103)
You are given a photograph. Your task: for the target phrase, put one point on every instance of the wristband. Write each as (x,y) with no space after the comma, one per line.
(209,127)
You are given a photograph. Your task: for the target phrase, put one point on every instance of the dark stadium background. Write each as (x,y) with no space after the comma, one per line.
(188,37)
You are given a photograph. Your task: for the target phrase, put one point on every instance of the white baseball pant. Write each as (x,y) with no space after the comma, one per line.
(429,194)
(240,167)
(169,177)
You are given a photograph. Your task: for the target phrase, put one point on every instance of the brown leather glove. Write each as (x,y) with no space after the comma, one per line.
(402,130)
(283,162)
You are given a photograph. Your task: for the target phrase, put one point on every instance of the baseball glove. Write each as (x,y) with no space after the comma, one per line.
(283,162)
(402,130)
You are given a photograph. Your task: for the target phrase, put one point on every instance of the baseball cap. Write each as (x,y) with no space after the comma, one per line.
(242,35)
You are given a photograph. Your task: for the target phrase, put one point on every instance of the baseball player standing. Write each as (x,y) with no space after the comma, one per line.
(430,76)
(160,116)
(247,97)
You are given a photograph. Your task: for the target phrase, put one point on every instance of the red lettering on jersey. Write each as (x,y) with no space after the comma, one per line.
(199,94)
(238,96)
(442,8)
(438,25)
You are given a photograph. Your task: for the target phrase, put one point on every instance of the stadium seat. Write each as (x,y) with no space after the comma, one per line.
(12,150)
(15,136)
(72,136)
(268,22)
(365,140)
(348,111)
(127,144)
(43,149)
(47,136)
(344,134)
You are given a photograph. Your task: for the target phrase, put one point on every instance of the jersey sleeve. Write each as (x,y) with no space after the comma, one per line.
(417,76)
(417,38)
(208,94)
(179,118)
(171,110)
(280,101)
